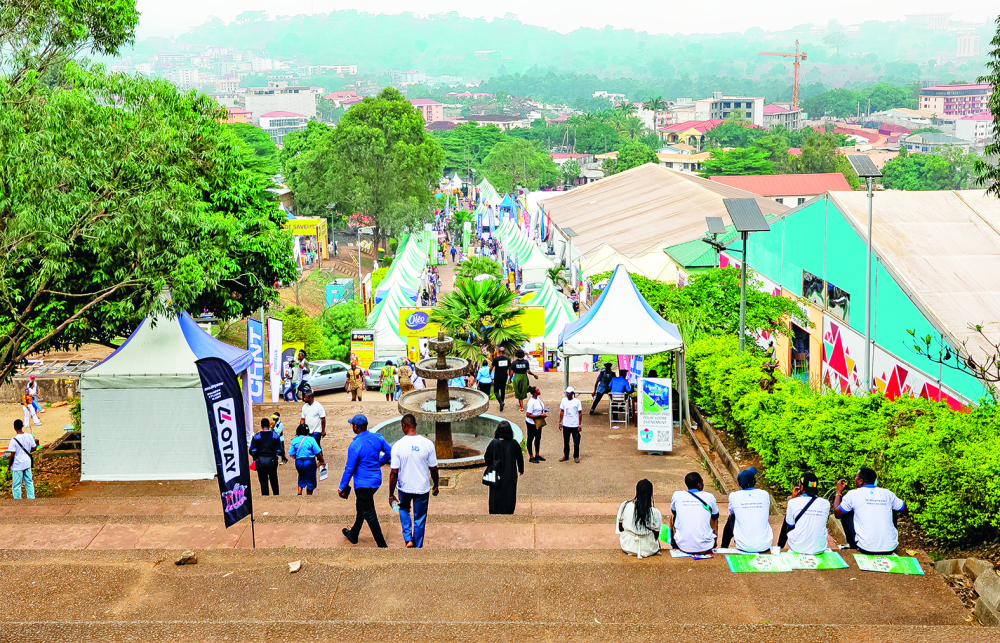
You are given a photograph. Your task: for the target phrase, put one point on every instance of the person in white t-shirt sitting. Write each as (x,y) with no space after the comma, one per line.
(696,517)
(868,514)
(747,526)
(804,528)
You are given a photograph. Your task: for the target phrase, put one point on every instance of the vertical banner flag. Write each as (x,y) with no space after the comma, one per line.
(656,414)
(274,329)
(227,422)
(255,344)
(635,372)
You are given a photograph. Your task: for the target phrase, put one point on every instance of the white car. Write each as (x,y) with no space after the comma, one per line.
(328,375)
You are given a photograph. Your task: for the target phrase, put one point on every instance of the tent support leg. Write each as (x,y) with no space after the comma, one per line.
(566,372)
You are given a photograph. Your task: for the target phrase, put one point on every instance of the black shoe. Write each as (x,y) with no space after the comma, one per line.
(592,412)
(533,460)
(540,458)
(348,536)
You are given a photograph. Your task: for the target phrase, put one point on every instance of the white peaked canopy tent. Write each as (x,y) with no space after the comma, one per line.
(621,322)
(384,320)
(143,414)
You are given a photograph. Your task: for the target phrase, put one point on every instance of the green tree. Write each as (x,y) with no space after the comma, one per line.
(336,324)
(928,171)
(297,326)
(265,152)
(145,190)
(475,266)
(570,171)
(632,154)
(481,316)
(516,162)
(989,170)
(328,111)
(734,132)
(737,161)
(466,146)
(379,161)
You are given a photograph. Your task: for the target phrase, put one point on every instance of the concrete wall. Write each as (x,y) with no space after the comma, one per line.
(50,389)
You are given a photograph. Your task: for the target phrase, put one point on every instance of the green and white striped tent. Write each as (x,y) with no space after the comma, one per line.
(384,320)
(488,194)
(408,265)
(529,257)
(558,312)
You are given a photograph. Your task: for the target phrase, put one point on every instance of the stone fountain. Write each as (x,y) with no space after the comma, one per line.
(448,409)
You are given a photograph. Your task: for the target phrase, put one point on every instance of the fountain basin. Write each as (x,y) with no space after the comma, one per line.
(474,402)
(454,367)
(474,432)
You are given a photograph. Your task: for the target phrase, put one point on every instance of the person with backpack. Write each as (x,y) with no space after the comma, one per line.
(804,528)
(265,449)
(19,451)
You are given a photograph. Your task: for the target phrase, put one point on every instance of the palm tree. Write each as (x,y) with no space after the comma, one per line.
(558,276)
(656,103)
(481,316)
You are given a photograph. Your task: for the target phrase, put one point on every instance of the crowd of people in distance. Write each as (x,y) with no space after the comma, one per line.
(868,515)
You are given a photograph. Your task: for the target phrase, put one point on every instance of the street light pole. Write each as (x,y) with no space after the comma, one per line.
(743,293)
(868,296)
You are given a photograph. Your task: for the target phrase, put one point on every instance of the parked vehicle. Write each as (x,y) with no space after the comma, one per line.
(328,375)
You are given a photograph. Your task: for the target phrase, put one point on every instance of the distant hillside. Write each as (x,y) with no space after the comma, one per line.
(894,52)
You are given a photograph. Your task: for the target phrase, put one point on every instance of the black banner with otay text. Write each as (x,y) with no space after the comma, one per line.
(227,423)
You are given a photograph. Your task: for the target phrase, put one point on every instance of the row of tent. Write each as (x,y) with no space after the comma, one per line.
(398,289)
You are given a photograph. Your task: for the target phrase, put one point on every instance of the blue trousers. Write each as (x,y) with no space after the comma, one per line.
(413,529)
(24,477)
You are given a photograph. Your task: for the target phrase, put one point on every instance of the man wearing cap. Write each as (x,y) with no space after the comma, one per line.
(601,385)
(804,528)
(366,454)
(868,514)
(747,525)
(570,412)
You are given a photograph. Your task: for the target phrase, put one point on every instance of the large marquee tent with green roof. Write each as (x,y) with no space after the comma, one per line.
(384,320)
(407,267)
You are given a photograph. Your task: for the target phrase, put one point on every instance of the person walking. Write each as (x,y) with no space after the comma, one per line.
(306,452)
(19,451)
(570,412)
(519,382)
(534,420)
(387,382)
(355,382)
(485,380)
(412,468)
(499,368)
(638,523)
(33,389)
(265,449)
(28,407)
(314,416)
(504,456)
(366,454)
(405,375)
(454,252)
(288,375)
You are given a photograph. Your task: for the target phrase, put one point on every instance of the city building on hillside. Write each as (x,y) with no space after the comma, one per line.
(746,108)
(184,77)
(278,124)
(502,121)
(440,126)
(929,142)
(967,46)
(612,98)
(349,70)
(782,114)
(410,77)
(431,110)
(278,96)
(237,115)
(935,21)
(955,100)
(144,68)
(338,98)
(227,84)
(689,132)
(976,127)
(787,189)
(685,162)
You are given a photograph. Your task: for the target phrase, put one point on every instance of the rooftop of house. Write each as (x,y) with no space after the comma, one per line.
(786,184)
(701,126)
(981,116)
(280,114)
(416,102)
(953,87)
(775,109)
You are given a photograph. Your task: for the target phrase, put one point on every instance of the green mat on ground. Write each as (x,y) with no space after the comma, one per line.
(888,564)
(740,563)
(824,560)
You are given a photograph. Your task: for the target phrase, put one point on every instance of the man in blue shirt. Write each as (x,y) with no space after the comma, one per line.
(619,384)
(365,457)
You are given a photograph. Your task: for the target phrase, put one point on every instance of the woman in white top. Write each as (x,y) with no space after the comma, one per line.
(639,523)
(534,420)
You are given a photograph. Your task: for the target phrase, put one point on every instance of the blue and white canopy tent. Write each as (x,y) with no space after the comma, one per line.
(621,322)
(143,410)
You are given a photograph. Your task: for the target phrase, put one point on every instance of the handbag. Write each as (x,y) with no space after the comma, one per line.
(539,423)
(490,477)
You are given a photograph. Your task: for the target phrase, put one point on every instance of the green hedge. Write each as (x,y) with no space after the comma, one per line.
(944,464)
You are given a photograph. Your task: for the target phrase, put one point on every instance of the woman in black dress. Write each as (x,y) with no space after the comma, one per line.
(503,496)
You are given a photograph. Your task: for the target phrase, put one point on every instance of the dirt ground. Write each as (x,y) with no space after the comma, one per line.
(53,421)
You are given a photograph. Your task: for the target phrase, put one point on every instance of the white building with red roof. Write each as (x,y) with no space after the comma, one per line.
(975,127)
(787,189)
(278,124)
(783,114)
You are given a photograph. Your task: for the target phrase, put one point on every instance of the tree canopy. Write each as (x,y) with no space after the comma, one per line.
(738,160)
(513,162)
(954,170)
(989,171)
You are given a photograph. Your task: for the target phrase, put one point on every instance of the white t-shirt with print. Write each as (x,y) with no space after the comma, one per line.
(873,507)
(572,409)
(752,532)
(312,413)
(413,456)
(692,520)
(535,406)
(809,535)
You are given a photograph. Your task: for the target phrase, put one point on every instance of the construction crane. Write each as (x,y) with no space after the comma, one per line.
(798,56)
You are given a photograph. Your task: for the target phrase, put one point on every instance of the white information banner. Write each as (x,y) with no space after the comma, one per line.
(274,328)
(656,415)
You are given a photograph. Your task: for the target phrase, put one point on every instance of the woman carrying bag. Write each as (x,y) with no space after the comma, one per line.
(306,452)
(504,459)
(534,420)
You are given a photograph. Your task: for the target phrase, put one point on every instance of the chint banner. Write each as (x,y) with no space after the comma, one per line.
(255,344)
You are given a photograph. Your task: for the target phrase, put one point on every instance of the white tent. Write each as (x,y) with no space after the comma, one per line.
(143,414)
(621,322)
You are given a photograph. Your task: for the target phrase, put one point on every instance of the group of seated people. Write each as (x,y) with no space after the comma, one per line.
(868,514)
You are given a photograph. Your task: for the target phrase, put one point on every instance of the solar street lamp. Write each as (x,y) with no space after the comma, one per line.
(746,217)
(866,170)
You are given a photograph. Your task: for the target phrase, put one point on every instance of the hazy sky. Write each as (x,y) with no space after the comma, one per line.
(172,17)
